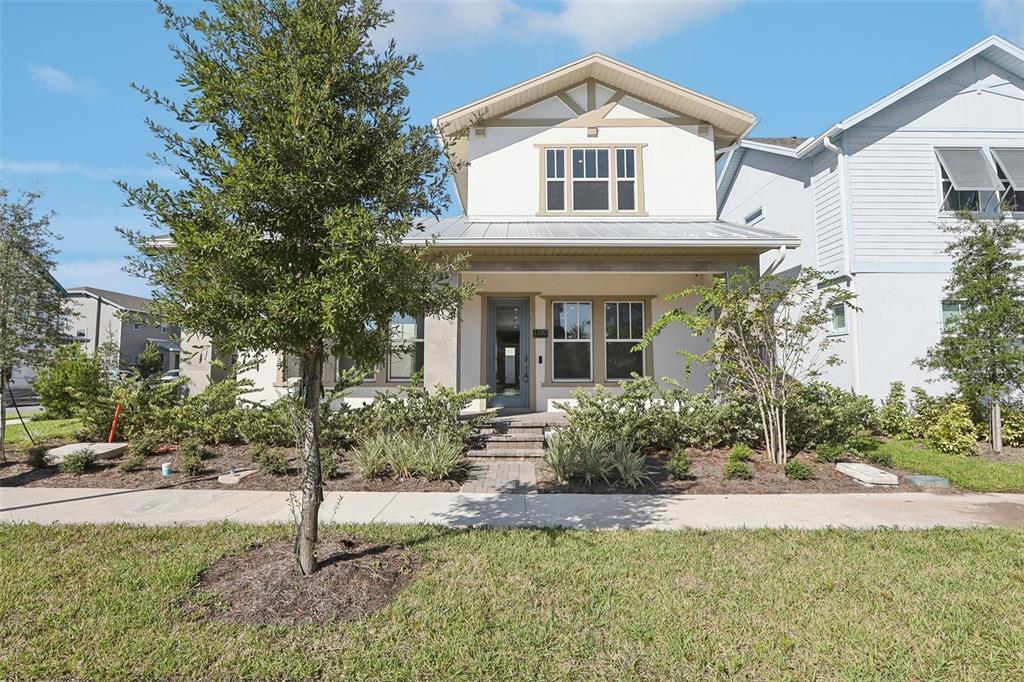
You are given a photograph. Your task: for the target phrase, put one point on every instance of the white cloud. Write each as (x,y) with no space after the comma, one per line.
(102,274)
(74,168)
(1005,17)
(606,25)
(61,81)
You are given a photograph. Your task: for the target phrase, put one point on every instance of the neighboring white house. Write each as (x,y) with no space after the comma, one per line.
(589,195)
(868,197)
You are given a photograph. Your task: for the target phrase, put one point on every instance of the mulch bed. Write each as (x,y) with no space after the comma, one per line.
(218,460)
(706,478)
(263,586)
(1007,456)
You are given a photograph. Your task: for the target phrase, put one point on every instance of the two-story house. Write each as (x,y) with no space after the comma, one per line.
(869,196)
(588,195)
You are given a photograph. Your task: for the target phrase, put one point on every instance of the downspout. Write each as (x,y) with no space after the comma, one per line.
(841,157)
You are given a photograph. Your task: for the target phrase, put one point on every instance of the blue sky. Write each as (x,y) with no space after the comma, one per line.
(70,125)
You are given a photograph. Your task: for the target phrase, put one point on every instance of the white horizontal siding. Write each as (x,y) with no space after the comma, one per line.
(828,212)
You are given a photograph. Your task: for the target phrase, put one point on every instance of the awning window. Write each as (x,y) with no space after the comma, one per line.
(1012,163)
(968,170)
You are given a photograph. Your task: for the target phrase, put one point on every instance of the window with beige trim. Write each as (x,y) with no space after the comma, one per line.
(625,179)
(572,341)
(591,180)
(407,357)
(623,329)
(554,180)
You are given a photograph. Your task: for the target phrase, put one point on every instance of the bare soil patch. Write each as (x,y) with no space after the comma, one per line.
(706,478)
(219,459)
(263,586)
(1007,456)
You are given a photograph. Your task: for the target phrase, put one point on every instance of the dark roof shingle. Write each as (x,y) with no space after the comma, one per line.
(789,142)
(126,301)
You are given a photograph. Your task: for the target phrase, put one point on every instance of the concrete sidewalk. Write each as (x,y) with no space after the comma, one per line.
(860,510)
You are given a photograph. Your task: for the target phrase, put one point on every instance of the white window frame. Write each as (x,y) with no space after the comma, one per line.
(754,217)
(1007,188)
(943,319)
(626,178)
(553,152)
(834,329)
(589,341)
(396,321)
(619,339)
(595,180)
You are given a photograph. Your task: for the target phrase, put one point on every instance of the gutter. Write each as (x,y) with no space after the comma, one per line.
(618,243)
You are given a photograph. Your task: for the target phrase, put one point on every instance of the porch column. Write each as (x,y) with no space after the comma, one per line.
(440,353)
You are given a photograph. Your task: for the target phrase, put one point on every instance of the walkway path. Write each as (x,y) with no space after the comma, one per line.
(859,510)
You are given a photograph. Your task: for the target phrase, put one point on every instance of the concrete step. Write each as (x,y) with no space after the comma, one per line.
(502,428)
(507,453)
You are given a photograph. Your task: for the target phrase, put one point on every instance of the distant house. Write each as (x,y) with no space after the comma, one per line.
(588,195)
(100,316)
(868,198)
(20,381)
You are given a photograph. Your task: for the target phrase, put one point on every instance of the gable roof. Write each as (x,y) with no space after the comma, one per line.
(124,301)
(999,51)
(730,123)
(791,142)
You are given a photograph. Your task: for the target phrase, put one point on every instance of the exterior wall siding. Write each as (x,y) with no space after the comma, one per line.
(826,185)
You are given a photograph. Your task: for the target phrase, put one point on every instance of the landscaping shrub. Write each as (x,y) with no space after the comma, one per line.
(1013,428)
(714,419)
(798,470)
(70,378)
(679,464)
(737,471)
(370,458)
(269,460)
(400,454)
(268,425)
(212,416)
(328,462)
(144,445)
(190,458)
(592,457)
(822,413)
(870,449)
(925,411)
(436,456)
(627,467)
(953,432)
(560,455)
(78,462)
(640,412)
(147,405)
(740,452)
(894,415)
(132,461)
(829,452)
(416,410)
(35,456)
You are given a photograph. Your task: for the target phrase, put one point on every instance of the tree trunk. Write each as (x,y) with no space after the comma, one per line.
(997,425)
(3,414)
(312,482)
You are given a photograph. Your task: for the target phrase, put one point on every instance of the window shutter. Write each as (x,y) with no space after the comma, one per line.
(1012,163)
(968,170)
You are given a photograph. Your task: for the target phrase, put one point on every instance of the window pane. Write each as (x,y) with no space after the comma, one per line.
(611,319)
(602,163)
(560,162)
(623,320)
(584,320)
(558,313)
(555,163)
(839,317)
(590,196)
(577,163)
(637,319)
(550,163)
(406,363)
(572,361)
(620,163)
(591,163)
(556,195)
(630,163)
(572,329)
(621,363)
(625,196)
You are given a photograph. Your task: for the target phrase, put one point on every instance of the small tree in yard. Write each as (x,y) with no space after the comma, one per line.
(32,304)
(72,377)
(767,336)
(982,348)
(151,362)
(299,187)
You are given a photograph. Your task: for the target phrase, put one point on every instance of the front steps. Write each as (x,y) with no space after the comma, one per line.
(518,436)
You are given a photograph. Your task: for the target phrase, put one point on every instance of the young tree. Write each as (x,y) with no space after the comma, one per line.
(301,180)
(32,303)
(981,349)
(71,377)
(767,336)
(151,362)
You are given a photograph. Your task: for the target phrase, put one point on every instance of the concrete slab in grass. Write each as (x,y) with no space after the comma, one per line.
(98,450)
(865,473)
(925,481)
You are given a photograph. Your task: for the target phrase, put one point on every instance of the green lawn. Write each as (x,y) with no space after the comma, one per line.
(972,473)
(49,429)
(103,603)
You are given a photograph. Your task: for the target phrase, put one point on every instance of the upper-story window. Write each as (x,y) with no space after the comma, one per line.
(958,200)
(599,180)
(969,180)
(1010,167)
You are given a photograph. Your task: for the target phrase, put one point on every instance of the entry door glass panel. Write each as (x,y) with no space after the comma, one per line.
(508,370)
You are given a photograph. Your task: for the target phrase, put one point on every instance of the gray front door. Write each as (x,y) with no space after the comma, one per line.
(508,367)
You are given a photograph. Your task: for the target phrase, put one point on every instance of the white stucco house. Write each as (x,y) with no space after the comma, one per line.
(588,195)
(867,199)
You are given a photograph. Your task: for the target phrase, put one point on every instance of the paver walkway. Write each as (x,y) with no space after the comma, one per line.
(856,510)
(500,476)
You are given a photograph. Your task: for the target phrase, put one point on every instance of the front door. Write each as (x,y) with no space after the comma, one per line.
(508,369)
